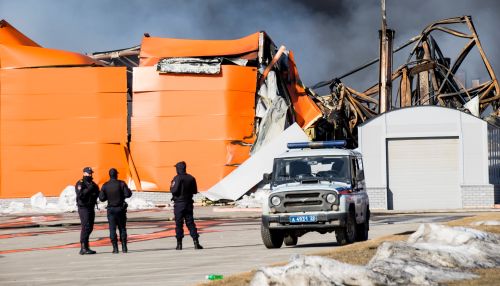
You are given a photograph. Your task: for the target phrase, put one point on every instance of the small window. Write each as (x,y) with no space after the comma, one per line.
(360,168)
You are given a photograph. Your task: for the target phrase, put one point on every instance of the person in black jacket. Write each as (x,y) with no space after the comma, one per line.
(115,191)
(86,198)
(183,187)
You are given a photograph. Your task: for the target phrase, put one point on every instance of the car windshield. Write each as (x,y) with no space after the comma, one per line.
(329,168)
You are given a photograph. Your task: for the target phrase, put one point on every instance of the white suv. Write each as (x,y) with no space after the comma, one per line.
(316,186)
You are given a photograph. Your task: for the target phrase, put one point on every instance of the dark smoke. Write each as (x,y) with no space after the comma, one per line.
(328,37)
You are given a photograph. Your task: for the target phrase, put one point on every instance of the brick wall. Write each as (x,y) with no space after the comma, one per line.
(378,198)
(478,196)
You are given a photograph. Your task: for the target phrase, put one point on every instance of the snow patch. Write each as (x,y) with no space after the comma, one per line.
(139,204)
(433,254)
(487,222)
(67,200)
(38,201)
(14,207)
(312,270)
(254,200)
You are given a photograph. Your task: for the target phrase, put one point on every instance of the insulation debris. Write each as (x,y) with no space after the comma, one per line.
(189,65)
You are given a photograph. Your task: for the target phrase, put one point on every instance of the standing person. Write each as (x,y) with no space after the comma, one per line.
(86,198)
(183,187)
(115,191)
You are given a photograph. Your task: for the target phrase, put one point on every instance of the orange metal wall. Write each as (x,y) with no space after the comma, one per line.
(55,121)
(194,118)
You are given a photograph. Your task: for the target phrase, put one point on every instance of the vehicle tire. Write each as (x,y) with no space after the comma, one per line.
(347,234)
(363,228)
(271,238)
(291,240)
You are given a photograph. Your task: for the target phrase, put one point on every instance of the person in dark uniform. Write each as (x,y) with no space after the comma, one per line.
(86,199)
(183,187)
(115,192)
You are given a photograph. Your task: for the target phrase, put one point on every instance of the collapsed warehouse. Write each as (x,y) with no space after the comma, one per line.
(211,103)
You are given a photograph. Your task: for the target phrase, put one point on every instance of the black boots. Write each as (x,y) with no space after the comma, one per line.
(124,246)
(84,249)
(115,246)
(197,244)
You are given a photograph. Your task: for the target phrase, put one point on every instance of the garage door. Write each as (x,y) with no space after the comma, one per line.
(424,174)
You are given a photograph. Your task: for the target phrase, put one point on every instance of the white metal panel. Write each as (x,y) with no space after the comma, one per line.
(475,150)
(424,174)
(248,174)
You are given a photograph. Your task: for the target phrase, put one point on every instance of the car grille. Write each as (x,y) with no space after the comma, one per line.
(301,195)
(304,201)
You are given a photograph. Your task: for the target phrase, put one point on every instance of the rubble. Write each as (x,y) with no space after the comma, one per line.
(433,254)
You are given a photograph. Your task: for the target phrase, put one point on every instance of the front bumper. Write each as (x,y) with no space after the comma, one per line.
(324,220)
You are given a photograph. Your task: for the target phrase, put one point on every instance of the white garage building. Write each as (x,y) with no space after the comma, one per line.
(430,157)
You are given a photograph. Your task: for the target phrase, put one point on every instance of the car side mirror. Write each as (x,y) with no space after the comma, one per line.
(266,178)
(360,176)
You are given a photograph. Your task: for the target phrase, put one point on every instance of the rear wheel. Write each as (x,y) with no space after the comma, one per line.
(272,238)
(363,228)
(347,234)
(291,239)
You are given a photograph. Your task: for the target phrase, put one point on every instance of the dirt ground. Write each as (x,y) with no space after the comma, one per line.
(361,253)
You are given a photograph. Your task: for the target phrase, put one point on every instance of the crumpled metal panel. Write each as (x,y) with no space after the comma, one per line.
(153,48)
(189,65)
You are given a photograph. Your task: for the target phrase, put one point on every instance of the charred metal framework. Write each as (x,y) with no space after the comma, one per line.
(427,78)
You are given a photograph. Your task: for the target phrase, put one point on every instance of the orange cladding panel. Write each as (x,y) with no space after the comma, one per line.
(194,102)
(63,106)
(64,131)
(55,121)
(206,175)
(153,48)
(24,184)
(75,80)
(11,36)
(208,127)
(231,78)
(166,154)
(12,56)
(306,111)
(60,157)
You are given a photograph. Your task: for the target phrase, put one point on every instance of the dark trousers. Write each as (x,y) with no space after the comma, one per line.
(184,211)
(87,217)
(117,217)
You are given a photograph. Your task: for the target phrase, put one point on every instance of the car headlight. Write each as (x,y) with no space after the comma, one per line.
(330,198)
(275,200)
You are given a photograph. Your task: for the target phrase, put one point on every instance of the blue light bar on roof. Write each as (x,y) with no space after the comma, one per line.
(317,144)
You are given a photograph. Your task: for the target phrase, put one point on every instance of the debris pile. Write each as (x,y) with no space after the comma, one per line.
(254,200)
(433,254)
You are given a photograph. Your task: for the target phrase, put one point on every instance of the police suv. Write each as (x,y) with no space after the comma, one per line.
(316,186)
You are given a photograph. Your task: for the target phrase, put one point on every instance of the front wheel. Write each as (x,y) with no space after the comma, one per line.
(363,228)
(347,234)
(272,238)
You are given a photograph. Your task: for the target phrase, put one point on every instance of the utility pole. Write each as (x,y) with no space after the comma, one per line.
(385,70)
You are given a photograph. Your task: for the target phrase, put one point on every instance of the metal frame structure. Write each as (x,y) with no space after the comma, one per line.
(427,78)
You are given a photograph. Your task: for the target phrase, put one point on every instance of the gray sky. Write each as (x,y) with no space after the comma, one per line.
(328,37)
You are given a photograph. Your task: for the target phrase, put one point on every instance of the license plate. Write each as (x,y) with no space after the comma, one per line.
(302,218)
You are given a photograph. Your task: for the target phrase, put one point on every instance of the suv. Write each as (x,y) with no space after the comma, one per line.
(316,186)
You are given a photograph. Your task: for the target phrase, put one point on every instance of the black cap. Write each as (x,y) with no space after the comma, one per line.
(88,170)
(113,173)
